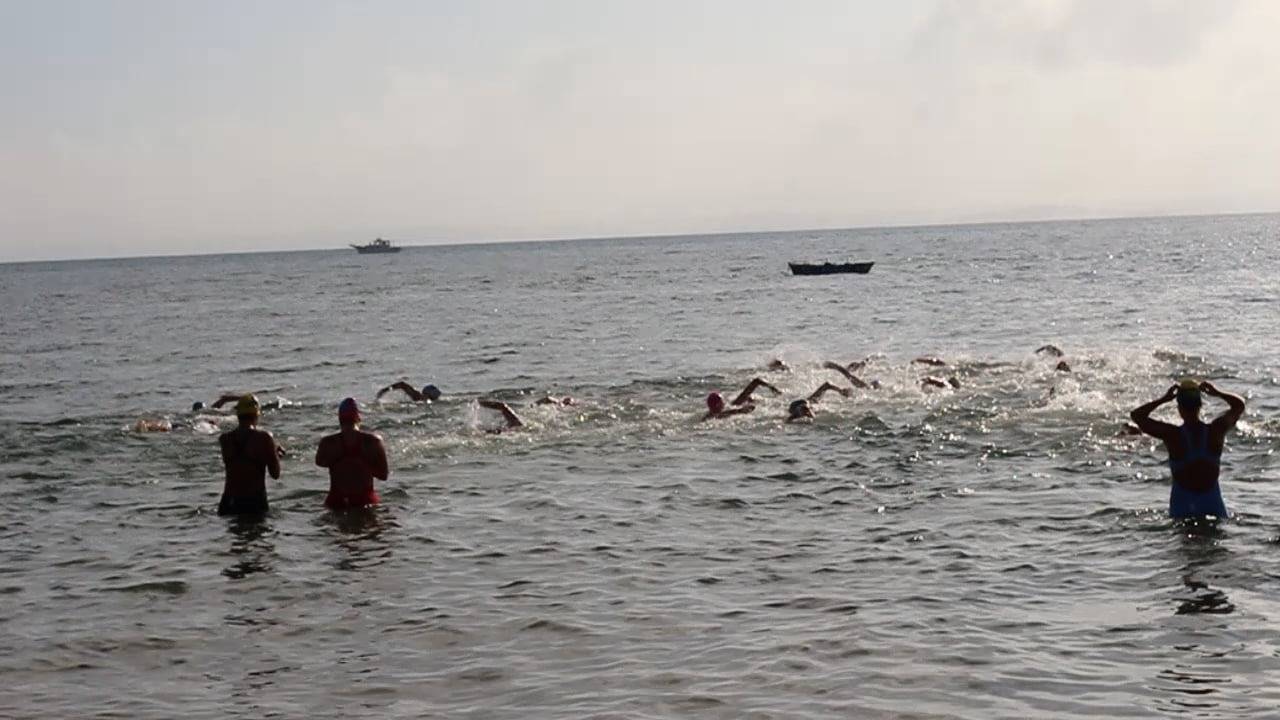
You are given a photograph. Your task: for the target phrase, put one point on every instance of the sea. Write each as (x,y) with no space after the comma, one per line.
(1000,549)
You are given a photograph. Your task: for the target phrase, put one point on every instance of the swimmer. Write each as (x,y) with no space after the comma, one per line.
(428,394)
(930,360)
(248,454)
(934,381)
(150,425)
(354,458)
(802,409)
(1195,448)
(854,380)
(513,420)
(1050,350)
(1062,367)
(716,407)
(777,365)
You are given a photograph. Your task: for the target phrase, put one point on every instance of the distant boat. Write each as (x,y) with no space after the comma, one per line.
(377,246)
(827,268)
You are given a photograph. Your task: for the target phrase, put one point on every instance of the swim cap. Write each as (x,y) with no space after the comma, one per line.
(1188,394)
(431,392)
(247,405)
(197,406)
(715,402)
(800,408)
(348,410)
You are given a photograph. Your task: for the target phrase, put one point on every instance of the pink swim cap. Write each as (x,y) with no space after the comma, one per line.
(715,402)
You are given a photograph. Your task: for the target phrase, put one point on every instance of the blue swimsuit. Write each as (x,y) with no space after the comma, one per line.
(1184,502)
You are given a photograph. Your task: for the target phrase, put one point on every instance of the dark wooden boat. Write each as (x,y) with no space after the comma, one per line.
(377,246)
(827,268)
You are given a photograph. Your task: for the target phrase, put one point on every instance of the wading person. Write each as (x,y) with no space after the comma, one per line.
(1195,447)
(354,458)
(248,455)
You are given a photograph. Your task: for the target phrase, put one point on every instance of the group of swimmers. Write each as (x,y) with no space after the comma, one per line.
(355,458)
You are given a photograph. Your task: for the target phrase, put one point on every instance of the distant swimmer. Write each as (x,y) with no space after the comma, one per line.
(1062,367)
(777,365)
(743,403)
(802,409)
(934,381)
(1050,350)
(1195,448)
(428,393)
(354,458)
(248,454)
(930,360)
(512,419)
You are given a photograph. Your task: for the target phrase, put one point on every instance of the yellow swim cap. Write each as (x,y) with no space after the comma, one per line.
(247,405)
(1187,384)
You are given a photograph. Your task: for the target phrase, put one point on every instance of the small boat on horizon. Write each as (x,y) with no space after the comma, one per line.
(826,268)
(377,246)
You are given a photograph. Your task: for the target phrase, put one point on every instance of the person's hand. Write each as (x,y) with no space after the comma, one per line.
(1207,388)
(1171,394)
(280,451)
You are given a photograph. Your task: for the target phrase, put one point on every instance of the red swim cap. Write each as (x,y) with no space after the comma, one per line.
(715,402)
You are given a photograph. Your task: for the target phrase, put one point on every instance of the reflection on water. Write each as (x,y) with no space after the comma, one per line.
(1202,550)
(359,533)
(250,545)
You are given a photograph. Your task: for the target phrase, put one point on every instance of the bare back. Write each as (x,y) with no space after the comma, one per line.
(248,454)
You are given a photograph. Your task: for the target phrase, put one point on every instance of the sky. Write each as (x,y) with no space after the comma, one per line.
(144,127)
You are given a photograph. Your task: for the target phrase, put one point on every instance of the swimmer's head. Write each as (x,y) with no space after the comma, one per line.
(431,392)
(247,406)
(800,409)
(1189,396)
(197,406)
(715,403)
(348,411)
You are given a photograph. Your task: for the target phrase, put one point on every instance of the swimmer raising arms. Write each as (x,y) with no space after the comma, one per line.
(803,409)
(1194,447)
(512,419)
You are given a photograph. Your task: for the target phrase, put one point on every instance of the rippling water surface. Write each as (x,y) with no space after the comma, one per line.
(996,550)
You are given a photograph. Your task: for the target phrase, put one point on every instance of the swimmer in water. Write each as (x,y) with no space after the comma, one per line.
(933,381)
(930,360)
(354,459)
(565,401)
(248,454)
(232,398)
(1050,350)
(1195,448)
(802,409)
(743,403)
(428,394)
(512,419)
(777,365)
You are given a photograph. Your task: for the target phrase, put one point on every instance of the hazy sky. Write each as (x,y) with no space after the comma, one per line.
(133,127)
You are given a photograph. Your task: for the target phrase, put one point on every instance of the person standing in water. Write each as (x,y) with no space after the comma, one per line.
(354,458)
(248,454)
(1195,447)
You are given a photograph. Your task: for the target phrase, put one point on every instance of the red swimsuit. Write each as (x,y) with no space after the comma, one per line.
(353,496)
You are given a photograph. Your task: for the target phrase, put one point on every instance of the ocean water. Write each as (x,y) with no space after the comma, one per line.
(992,551)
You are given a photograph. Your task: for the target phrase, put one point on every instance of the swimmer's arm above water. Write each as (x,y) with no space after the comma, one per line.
(1235,404)
(226,398)
(274,453)
(513,420)
(408,389)
(755,384)
(828,387)
(1141,416)
(853,379)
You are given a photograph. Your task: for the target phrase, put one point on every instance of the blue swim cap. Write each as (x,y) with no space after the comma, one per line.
(431,392)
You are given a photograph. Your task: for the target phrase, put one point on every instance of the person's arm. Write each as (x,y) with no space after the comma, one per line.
(273,455)
(826,387)
(226,398)
(755,384)
(404,387)
(379,464)
(513,420)
(1235,405)
(324,454)
(853,379)
(1141,416)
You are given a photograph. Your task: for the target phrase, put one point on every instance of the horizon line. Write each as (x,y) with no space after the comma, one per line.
(658,236)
